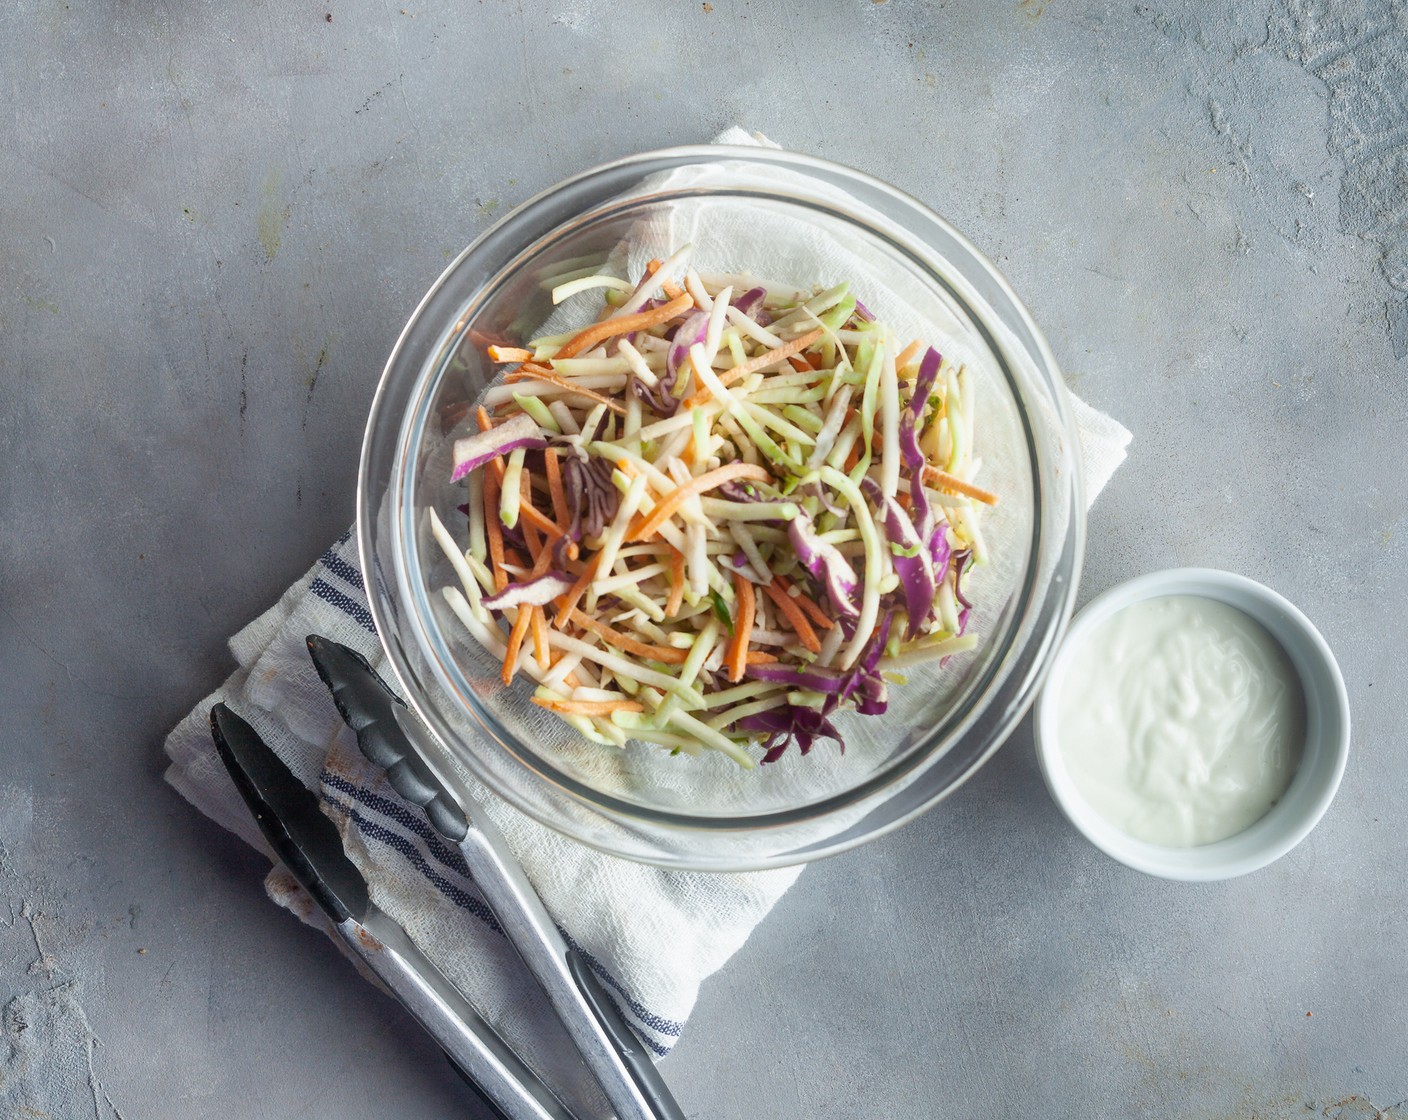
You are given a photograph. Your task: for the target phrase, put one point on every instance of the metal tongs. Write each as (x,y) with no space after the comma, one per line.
(310,846)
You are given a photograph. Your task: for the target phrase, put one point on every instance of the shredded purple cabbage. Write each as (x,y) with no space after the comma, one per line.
(910,556)
(826,563)
(819,492)
(817,678)
(924,381)
(537,592)
(939,548)
(591,496)
(751,304)
(476,450)
(738,562)
(863,683)
(661,396)
(689,333)
(912,457)
(960,561)
(910,452)
(790,723)
(561,546)
(741,491)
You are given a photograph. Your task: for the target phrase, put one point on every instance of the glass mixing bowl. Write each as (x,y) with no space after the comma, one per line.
(785,218)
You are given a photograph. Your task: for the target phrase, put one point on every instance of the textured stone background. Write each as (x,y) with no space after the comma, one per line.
(216,219)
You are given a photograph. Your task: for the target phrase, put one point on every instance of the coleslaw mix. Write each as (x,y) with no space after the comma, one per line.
(718,514)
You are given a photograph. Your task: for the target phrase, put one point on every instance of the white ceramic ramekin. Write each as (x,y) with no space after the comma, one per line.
(1323,757)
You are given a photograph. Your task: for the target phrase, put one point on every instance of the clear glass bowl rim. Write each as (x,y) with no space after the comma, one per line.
(1025,687)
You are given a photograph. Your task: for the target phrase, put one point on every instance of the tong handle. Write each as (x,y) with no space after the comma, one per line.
(309,844)
(605,1040)
(480,1056)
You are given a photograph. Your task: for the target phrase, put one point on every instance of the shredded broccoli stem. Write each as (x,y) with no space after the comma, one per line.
(540,412)
(875,564)
(511,489)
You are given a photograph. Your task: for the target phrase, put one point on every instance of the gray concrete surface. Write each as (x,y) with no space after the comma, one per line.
(215,219)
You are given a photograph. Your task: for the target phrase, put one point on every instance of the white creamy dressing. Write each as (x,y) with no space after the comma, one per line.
(1180,720)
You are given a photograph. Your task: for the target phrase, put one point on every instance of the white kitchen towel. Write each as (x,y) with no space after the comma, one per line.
(651,935)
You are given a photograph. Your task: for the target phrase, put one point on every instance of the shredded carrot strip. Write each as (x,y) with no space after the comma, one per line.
(941,480)
(665,654)
(794,616)
(736,656)
(526,372)
(908,354)
(493,530)
(817,615)
(852,457)
(496,466)
(509,354)
(676,600)
(563,383)
(532,537)
(535,517)
(671,502)
(543,561)
(762,361)
(799,364)
(588,707)
(669,655)
(515,643)
(624,324)
(670,287)
(559,496)
(568,603)
(541,650)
